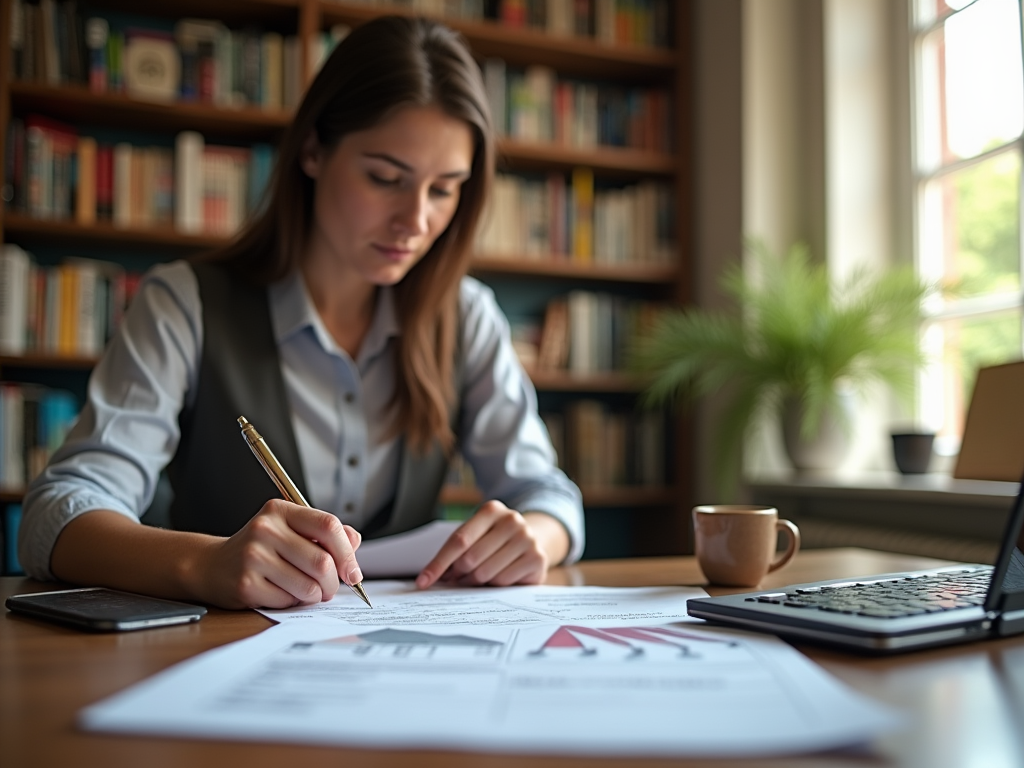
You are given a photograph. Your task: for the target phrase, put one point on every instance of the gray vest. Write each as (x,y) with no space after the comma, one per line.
(218,484)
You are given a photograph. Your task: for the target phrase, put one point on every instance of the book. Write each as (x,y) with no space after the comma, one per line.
(261,165)
(49,154)
(14,291)
(30,21)
(271,64)
(494,83)
(582,332)
(583,215)
(104,182)
(251,75)
(16,38)
(225,188)
(85,187)
(115,61)
(47,37)
(151,65)
(13,193)
(291,72)
(12,457)
(123,193)
(553,348)
(74,58)
(12,522)
(97,30)
(188,190)
(66,311)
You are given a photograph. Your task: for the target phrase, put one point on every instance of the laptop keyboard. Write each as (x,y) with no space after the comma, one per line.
(891,598)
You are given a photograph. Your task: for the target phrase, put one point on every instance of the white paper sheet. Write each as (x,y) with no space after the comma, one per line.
(590,688)
(399,602)
(404,554)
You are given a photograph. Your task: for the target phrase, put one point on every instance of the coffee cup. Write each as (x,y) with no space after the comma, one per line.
(736,543)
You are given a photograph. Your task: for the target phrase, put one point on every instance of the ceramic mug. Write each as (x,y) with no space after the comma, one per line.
(736,544)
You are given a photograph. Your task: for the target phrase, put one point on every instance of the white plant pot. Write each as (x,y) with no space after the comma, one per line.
(822,451)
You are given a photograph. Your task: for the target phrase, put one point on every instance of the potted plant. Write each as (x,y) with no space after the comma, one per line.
(795,344)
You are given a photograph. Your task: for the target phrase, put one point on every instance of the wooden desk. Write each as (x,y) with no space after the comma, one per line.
(966,704)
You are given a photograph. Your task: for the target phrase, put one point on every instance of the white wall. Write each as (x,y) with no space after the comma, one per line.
(826,158)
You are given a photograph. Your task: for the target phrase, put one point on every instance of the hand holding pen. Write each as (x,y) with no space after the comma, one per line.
(344,560)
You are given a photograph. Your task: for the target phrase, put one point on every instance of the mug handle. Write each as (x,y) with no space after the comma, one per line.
(793,535)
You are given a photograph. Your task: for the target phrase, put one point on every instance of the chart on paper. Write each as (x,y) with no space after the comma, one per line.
(598,687)
(564,644)
(400,603)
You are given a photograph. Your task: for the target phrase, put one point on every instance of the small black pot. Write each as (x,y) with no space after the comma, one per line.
(913,451)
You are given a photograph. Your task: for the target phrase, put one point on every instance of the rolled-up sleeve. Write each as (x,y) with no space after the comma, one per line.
(127,431)
(502,435)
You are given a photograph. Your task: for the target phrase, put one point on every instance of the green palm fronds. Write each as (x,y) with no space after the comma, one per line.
(797,335)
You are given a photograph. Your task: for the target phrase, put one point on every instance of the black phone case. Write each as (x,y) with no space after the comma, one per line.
(104,610)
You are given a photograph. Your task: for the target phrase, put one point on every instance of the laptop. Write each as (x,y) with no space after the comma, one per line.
(891,612)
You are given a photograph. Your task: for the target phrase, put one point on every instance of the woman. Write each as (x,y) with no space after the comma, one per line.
(341,324)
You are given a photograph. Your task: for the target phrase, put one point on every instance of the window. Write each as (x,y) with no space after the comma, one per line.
(969,116)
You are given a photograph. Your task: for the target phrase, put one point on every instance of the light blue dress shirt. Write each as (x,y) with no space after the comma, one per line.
(128,429)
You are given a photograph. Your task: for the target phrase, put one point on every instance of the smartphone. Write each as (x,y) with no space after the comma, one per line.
(104,610)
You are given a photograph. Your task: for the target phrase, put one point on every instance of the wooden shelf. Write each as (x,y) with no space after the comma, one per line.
(54,232)
(78,105)
(51,231)
(622,162)
(43,360)
(594,496)
(548,381)
(282,15)
(522,46)
(559,267)
(564,381)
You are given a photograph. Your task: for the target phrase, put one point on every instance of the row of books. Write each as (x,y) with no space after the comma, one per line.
(615,22)
(584,332)
(597,447)
(198,60)
(559,217)
(535,105)
(9,525)
(34,421)
(71,309)
(52,172)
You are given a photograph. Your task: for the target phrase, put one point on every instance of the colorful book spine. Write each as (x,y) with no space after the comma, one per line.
(85,186)
(12,522)
(97,31)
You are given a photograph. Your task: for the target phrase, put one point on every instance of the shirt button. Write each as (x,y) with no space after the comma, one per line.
(353,461)
(349,397)
(350,507)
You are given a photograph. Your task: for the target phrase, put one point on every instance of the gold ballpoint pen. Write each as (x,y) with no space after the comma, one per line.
(284,483)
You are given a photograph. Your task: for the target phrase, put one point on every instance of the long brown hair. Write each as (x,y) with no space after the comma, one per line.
(385,64)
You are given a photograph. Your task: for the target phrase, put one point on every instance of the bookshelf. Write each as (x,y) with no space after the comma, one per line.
(653,515)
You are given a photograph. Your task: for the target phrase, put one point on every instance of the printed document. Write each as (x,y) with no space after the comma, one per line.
(595,686)
(399,602)
(404,554)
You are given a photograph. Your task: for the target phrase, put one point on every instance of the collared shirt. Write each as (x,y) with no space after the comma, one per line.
(128,429)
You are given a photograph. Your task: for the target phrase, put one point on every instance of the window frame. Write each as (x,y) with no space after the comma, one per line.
(940,312)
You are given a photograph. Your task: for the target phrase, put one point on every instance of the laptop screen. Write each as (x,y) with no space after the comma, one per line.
(1009,568)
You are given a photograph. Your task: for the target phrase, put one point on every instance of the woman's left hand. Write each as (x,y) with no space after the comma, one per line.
(500,547)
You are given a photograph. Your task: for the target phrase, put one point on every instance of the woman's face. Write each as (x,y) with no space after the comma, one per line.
(384,195)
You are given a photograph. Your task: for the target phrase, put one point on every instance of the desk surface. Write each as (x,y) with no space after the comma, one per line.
(966,703)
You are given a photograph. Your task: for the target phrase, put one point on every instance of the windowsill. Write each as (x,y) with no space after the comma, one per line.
(932,515)
(938,488)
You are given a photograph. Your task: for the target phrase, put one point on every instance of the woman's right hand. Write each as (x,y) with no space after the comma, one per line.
(286,555)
